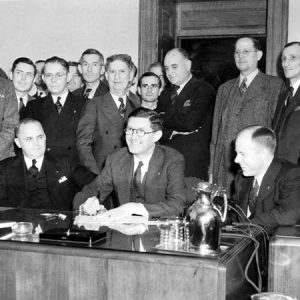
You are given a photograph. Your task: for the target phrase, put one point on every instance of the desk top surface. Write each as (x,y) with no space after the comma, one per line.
(137,237)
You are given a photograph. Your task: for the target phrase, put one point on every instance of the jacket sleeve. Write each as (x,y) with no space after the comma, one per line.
(9,118)
(85,136)
(175,192)
(286,210)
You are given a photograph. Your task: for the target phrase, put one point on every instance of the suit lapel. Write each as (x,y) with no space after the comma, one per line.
(52,172)
(110,109)
(257,86)
(154,171)
(268,182)
(17,172)
(126,175)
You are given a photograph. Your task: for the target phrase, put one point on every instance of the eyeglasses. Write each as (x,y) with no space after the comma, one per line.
(57,76)
(244,52)
(139,132)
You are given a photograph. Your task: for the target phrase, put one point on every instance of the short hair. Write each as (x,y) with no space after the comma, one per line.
(58,60)
(92,51)
(156,64)
(40,61)
(291,44)
(149,74)
(262,135)
(256,42)
(154,117)
(24,60)
(26,121)
(73,63)
(122,57)
(181,51)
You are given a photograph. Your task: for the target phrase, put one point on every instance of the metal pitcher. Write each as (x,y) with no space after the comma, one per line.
(205,218)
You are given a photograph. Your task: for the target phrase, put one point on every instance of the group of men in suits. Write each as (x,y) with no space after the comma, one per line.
(90,123)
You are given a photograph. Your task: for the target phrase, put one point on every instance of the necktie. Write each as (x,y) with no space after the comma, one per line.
(137,179)
(122,107)
(22,106)
(253,197)
(33,170)
(289,96)
(174,93)
(87,93)
(243,87)
(58,105)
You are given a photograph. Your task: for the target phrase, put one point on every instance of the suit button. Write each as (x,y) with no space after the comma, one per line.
(69,148)
(106,132)
(115,147)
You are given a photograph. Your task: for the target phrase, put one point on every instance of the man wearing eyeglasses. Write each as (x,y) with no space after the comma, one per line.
(247,100)
(147,178)
(59,111)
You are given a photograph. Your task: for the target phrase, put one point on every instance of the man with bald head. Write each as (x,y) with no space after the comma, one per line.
(267,189)
(247,100)
(188,110)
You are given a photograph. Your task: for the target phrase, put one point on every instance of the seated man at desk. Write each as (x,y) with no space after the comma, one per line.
(35,179)
(267,189)
(148,179)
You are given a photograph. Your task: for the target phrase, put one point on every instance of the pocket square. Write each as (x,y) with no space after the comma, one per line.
(62,179)
(187,103)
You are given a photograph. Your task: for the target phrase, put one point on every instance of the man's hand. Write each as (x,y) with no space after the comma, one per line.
(91,206)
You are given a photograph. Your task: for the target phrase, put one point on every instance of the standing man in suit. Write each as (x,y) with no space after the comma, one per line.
(23,72)
(149,87)
(267,189)
(39,89)
(147,179)
(188,109)
(247,100)
(287,116)
(75,78)
(35,179)
(59,111)
(91,66)
(100,128)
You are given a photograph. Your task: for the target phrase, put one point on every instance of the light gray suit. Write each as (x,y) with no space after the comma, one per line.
(9,118)
(234,112)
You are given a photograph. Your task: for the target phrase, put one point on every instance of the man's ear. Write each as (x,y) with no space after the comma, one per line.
(259,55)
(10,75)
(69,77)
(102,70)
(79,69)
(157,135)
(188,64)
(139,90)
(18,143)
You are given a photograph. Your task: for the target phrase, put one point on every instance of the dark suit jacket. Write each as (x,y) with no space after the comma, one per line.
(101,90)
(100,130)
(278,201)
(164,182)
(12,181)
(60,128)
(192,111)
(286,126)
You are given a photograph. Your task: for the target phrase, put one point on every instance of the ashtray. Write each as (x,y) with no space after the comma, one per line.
(22,228)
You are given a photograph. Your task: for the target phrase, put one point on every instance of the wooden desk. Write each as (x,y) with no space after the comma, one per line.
(111,270)
(284,261)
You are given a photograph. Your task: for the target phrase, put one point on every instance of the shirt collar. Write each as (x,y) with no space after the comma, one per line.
(63,97)
(145,166)
(183,85)
(93,90)
(39,162)
(116,99)
(250,77)
(295,86)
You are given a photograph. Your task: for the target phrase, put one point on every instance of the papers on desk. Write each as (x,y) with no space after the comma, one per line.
(104,220)
(6,224)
